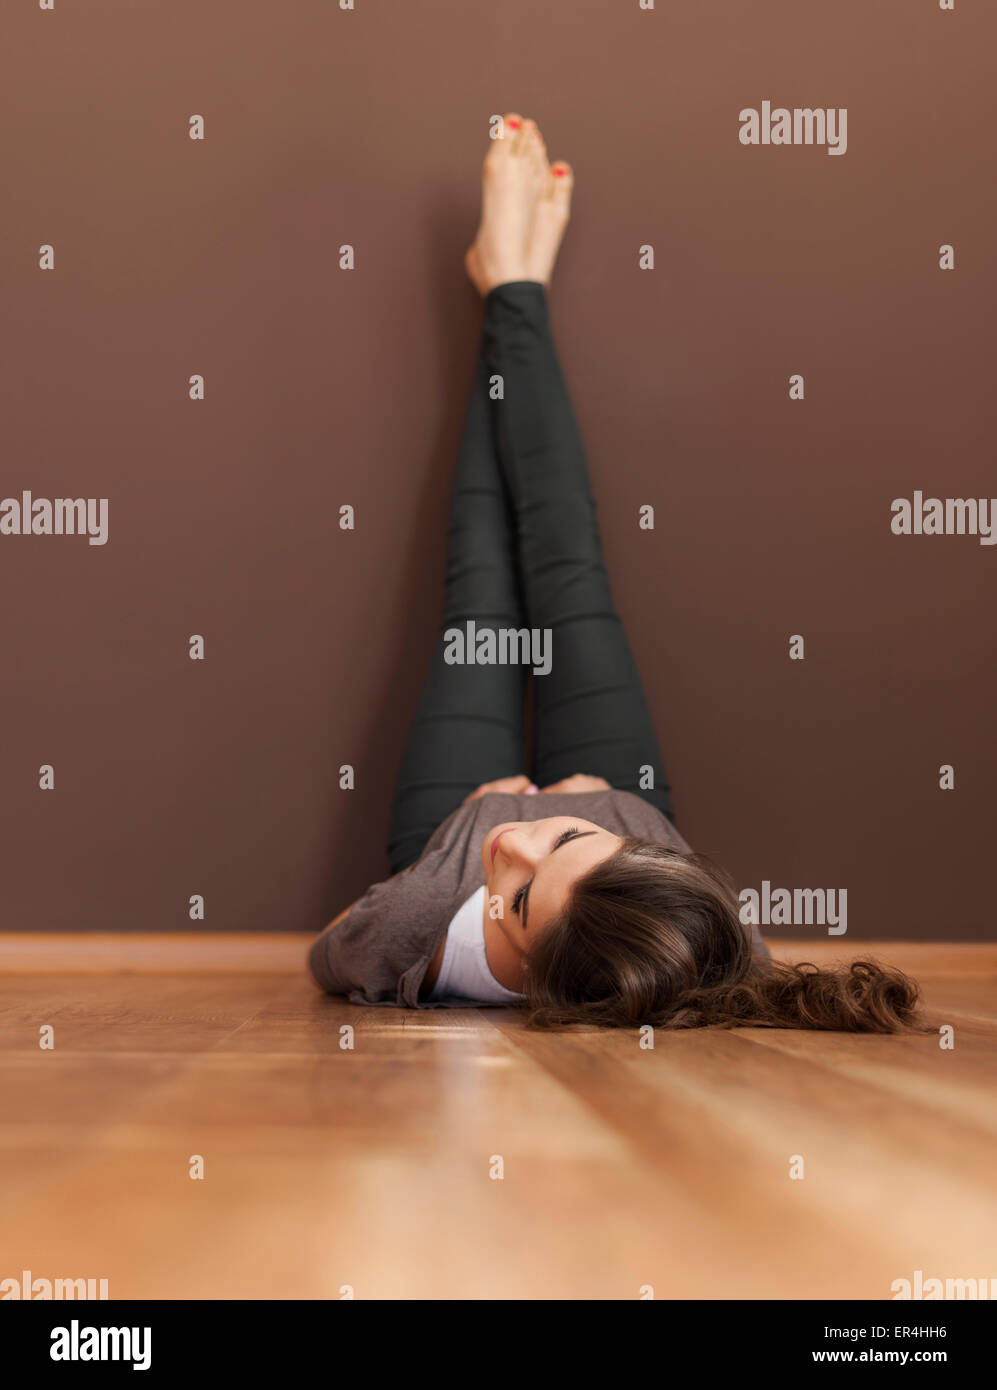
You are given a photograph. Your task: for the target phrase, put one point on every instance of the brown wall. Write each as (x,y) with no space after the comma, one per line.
(326,387)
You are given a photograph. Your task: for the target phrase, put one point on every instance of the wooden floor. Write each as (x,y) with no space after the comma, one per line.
(371,1168)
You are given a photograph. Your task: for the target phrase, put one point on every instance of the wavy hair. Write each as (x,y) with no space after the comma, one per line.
(654,936)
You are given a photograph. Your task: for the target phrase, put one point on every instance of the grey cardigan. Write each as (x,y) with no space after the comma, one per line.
(380,952)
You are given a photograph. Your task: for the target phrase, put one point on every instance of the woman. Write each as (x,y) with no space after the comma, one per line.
(574,894)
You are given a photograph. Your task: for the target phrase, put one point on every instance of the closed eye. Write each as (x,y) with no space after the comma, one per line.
(520,901)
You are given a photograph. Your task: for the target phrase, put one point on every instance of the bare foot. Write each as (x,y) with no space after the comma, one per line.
(550,217)
(514,178)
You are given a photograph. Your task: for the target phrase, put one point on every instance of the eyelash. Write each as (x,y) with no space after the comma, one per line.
(520,893)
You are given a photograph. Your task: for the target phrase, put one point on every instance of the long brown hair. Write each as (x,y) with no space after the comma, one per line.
(654,936)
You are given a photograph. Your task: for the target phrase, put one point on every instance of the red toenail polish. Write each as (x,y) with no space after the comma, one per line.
(514,124)
(559,172)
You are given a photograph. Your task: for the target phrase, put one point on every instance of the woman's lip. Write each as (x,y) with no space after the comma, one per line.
(495,844)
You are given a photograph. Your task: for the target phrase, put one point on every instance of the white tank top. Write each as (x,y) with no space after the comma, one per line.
(464,973)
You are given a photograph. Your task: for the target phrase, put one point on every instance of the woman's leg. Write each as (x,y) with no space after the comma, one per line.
(591,713)
(469,725)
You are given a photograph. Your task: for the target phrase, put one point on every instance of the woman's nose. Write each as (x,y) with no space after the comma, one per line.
(517,845)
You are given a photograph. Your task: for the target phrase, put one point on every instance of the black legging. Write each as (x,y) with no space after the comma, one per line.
(524,551)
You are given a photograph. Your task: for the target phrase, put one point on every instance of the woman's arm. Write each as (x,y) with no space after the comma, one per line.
(346,955)
(347,910)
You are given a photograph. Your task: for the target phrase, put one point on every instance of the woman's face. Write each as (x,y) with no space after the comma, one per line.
(533,865)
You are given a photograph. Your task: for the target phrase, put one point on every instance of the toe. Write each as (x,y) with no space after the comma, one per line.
(535,133)
(562,178)
(537,149)
(512,124)
(504,144)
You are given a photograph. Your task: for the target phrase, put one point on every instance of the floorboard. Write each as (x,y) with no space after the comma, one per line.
(372,1168)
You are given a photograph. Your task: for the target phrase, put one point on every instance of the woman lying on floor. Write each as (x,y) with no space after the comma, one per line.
(574,894)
